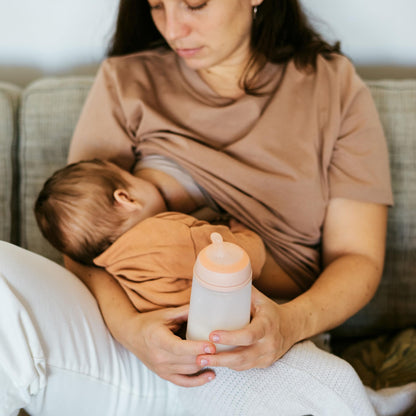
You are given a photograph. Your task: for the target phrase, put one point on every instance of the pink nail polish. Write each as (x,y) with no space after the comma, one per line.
(204,362)
(215,338)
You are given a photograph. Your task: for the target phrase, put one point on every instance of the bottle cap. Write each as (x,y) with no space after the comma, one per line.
(222,266)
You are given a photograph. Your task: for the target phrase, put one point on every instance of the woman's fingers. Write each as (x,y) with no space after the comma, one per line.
(193,380)
(176,360)
(179,347)
(165,353)
(258,345)
(249,335)
(239,359)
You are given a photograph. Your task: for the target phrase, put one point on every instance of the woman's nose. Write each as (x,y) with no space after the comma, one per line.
(175,26)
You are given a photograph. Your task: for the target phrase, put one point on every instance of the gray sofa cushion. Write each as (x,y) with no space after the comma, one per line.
(9,100)
(49,111)
(394,305)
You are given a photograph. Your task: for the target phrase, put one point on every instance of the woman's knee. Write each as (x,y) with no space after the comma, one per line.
(23,365)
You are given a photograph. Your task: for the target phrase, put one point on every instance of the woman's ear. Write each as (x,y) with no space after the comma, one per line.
(126,200)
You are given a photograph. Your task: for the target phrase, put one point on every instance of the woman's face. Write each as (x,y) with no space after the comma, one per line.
(206,33)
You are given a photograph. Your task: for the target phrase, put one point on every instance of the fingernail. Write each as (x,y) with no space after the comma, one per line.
(204,362)
(215,338)
(207,349)
(210,378)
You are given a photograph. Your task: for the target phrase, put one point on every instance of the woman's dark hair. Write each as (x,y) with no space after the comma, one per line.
(135,30)
(281,31)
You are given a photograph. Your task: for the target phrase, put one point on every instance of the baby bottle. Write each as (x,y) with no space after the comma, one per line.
(221,290)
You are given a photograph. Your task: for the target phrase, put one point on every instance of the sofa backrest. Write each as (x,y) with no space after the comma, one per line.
(50,109)
(394,305)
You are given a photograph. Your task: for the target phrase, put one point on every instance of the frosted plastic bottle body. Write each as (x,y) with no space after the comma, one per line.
(211,310)
(221,290)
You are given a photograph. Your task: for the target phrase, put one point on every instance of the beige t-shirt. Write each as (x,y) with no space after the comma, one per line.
(272,161)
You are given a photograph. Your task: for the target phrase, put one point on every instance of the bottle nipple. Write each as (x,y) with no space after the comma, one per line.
(217,245)
(223,265)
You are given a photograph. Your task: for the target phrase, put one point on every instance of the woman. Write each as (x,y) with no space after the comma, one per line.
(276,126)
(224,49)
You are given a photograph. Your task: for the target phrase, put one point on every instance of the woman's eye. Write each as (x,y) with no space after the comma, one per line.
(191,6)
(157,6)
(195,7)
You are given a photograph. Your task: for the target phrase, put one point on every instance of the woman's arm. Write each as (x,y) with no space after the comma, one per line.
(353,256)
(354,238)
(147,335)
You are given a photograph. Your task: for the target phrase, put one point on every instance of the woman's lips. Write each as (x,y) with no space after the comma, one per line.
(187,52)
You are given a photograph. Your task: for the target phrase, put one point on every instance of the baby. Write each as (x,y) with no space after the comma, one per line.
(97,213)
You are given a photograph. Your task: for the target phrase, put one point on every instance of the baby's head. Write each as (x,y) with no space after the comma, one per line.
(84,207)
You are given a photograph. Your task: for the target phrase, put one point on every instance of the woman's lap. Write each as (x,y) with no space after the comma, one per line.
(57,356)
(305,381)
(56,352)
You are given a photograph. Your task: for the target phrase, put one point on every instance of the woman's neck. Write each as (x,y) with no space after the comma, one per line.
(224,83)
(227,81)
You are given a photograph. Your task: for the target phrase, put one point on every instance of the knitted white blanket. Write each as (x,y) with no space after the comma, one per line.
(306,381)
(394,401)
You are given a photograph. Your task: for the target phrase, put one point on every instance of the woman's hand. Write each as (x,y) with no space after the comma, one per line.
(268,337)
(150,336)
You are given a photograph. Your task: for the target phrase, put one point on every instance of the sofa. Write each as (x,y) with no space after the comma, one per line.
(36,124)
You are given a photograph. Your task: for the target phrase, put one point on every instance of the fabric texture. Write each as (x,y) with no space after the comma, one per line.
(313,382)
(394,401)
(153,261)
(49,111)
(271,161)
(385,361)
(9,99)
(394,305)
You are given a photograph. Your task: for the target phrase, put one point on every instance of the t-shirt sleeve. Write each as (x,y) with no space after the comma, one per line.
(359,167)
(101,131)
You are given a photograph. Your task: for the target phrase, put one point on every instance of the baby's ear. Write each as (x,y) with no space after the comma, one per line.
(123,197)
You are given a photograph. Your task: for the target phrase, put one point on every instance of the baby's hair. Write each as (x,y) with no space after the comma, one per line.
(75,209)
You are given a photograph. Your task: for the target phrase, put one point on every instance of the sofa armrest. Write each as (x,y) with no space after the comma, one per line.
(9,101)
